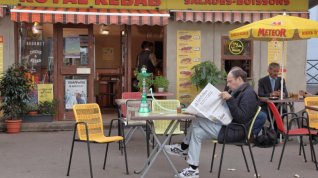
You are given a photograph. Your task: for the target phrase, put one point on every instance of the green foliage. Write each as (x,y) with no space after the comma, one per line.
(207,72)
(161,82)
(48,107)
(149,81)
(32,107)
(14,91)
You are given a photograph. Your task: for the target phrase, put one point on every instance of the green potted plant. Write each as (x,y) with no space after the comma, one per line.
(32,109)
(14,91)
(161,83)
(149,81)
(46,111)
(48,107)
(206,72)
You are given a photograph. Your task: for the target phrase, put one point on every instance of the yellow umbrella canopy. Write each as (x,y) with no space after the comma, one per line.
(280,27)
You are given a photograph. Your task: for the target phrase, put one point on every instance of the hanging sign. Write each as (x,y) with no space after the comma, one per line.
(236,47)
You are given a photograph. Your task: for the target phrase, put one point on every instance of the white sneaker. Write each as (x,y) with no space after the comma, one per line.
(175,150)
(188,173)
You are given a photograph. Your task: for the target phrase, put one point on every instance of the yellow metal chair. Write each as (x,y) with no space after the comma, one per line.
(246,141)
(312,115)
(164,106)
(89,128)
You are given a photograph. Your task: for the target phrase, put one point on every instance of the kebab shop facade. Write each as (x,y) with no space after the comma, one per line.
(87,50)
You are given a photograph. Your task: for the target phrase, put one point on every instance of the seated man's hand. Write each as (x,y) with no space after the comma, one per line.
(275,93)
(225,95)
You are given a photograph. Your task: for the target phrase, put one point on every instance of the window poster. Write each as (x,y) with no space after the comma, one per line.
(188,55)
(1,56)
(72,48)
(75,92)
(108,54)
(33,55)
(45,92)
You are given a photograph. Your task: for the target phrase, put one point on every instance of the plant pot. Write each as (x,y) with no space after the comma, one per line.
(161,90)
(13,126)
(33,113)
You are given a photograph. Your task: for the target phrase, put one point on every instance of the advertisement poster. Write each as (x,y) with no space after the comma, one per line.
(108,54)
(188,55)
(75,93)
(45,92)
(72,48)
(1,56)
(275,54)
(33,55)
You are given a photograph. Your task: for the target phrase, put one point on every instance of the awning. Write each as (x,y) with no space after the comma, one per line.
(89,16)
(229,16)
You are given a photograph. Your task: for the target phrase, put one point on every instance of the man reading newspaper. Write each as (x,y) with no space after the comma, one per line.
(242,103)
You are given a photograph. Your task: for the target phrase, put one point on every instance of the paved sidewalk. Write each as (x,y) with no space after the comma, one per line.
(46,154)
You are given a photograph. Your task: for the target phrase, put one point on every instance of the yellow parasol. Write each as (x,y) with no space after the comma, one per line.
(280,28)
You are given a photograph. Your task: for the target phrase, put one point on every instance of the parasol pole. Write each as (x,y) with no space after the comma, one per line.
(282,77)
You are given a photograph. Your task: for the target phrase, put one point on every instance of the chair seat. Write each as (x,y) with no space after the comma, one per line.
(301,131)
(103,139)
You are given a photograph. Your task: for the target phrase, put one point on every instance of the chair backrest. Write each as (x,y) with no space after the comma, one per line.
(90,114)
(278,119)
(133,106)
(129,95)
(161,106)
(253,121)
(312,115)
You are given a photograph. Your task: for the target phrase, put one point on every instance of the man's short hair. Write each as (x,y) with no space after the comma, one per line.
(145,44)
(273,65)
(239,72)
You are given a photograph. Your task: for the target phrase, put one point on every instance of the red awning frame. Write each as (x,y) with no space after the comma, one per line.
(89,16)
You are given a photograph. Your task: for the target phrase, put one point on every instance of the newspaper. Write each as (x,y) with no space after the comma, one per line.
(208,104)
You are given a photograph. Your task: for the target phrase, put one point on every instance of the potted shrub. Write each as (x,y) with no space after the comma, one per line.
(206,72)
(14,91)
(32,109)
(46,112)
(161,83)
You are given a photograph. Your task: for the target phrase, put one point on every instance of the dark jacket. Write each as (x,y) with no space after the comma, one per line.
(265,87)
(144,60)
(243,106)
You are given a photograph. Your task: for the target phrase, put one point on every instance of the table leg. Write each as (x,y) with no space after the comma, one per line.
(159,148)
(270,117)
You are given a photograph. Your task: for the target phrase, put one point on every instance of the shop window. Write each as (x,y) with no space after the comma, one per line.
(237,53)
(36,53)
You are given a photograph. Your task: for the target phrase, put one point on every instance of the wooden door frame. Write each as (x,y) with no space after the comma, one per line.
(59,69)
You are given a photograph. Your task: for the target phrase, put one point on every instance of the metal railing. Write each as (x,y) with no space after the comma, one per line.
(312,71)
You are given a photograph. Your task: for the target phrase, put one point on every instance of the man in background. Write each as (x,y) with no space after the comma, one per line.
(146,57)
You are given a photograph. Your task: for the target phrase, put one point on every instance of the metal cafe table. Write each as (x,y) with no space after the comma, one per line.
(174,119)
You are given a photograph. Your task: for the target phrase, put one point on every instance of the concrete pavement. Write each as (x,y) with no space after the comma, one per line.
(46,154)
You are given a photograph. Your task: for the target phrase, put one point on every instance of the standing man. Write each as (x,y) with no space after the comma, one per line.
(271,84)
(242,103)
(146,58)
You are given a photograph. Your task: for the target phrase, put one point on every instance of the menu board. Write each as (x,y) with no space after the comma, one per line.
(45,92)
(188,55)
(1,56)
(33,55)
(275,54)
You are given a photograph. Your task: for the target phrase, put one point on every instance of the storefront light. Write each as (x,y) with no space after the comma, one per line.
(36,29)
(103,30)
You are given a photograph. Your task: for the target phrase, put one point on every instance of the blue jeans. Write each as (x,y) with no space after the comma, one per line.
(259,122)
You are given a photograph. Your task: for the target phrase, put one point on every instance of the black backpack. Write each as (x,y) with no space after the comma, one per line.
(267,139)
